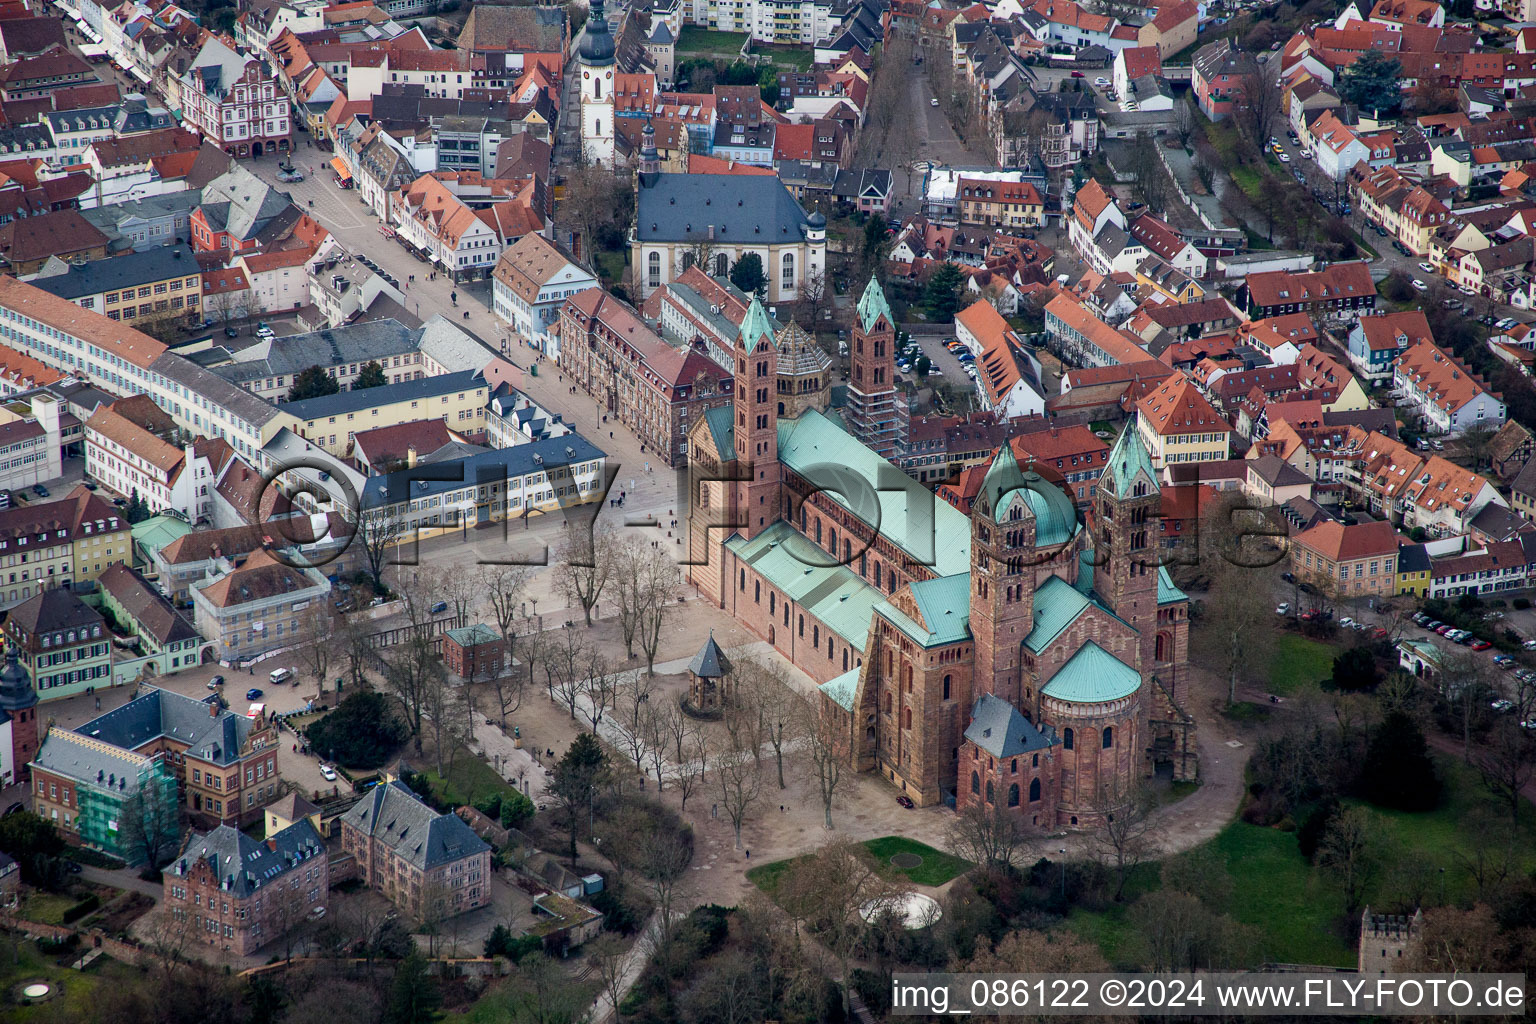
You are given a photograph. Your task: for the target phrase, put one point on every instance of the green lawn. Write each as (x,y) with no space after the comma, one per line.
(936,869)
(47,907)
(469,779)
(1299,664)
(790,58)
(81,993)
(696,42)
(611,266)
(1295,905)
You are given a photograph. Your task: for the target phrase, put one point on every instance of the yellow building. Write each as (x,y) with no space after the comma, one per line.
(1179,426)
(52,543)
(1413,570)
(331,421)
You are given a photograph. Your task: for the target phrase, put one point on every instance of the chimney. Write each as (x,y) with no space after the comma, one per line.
(272,845)
(410,457)
(213,709)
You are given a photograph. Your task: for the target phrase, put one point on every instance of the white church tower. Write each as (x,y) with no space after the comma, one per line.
(597,67)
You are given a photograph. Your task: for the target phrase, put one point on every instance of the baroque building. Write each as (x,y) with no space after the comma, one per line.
(1028,656)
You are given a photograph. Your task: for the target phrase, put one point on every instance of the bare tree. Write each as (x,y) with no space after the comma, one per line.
(315,657)
(504,587)
(828,755)
(289,915)
(1123,835)
(378,530)
(147,822)
(813,292)
(609,955)
(689,775)
(1508,763)
(564,656)
(353,644)
(632,701)
(656,582)
(1351,850)
(412,670)
(600,688)
(739,785)
(1183,122)
(433,906)
(586,567)
(834,890)
(665,863)
(987,834)
(1258,108)
(767,708)
(626,593)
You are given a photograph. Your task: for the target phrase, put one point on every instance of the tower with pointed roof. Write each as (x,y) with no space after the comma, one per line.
(596,57)
(1024,529)
(756,428)
(650,163)
(1126,539)
(18,721)
(875,412)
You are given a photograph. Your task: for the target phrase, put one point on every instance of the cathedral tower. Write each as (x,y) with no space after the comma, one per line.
(875,414)
(1003,529)
(756,428)
(597,66)
(1126,541)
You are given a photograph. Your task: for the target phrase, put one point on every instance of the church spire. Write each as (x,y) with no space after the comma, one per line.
(755,327)
(872,306)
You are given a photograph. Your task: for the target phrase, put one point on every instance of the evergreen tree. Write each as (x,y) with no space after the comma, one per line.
(414,996)
(1355,669)
(1398,772)
(1373,83)
(137,509)
(577,776)
(748,275)
(312,383)
(942,296)
(370,375)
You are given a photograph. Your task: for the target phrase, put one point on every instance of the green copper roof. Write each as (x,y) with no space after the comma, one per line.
(1167,593)
(1055,515)
(843,689)
(945,605)
(872,306)
(722,431)
(1057,606)
(930,531)
(834,594)
(1129,457)
(755,327)
(1091,676)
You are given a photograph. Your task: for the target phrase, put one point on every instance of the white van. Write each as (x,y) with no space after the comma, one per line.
(280,675)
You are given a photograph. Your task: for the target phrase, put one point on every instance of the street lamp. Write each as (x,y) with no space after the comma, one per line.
(1063,863)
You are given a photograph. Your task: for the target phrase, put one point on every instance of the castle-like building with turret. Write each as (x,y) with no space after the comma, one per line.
(1024,657)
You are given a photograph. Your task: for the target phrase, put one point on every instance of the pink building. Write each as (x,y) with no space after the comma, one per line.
(409,852)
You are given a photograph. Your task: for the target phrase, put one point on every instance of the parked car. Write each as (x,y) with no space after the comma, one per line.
(1346,621)
(1529,645)
(1289,577)
(902,798)
(89,485)
(328,773)
(933,102)
(1427,268)
(1506,323)
(1420,618)
(1480,645)
(1285,158)
(254,693)
(1283,608)
(40,490)
(215,682)
(440,607)
(1420,286)
(1101,81)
